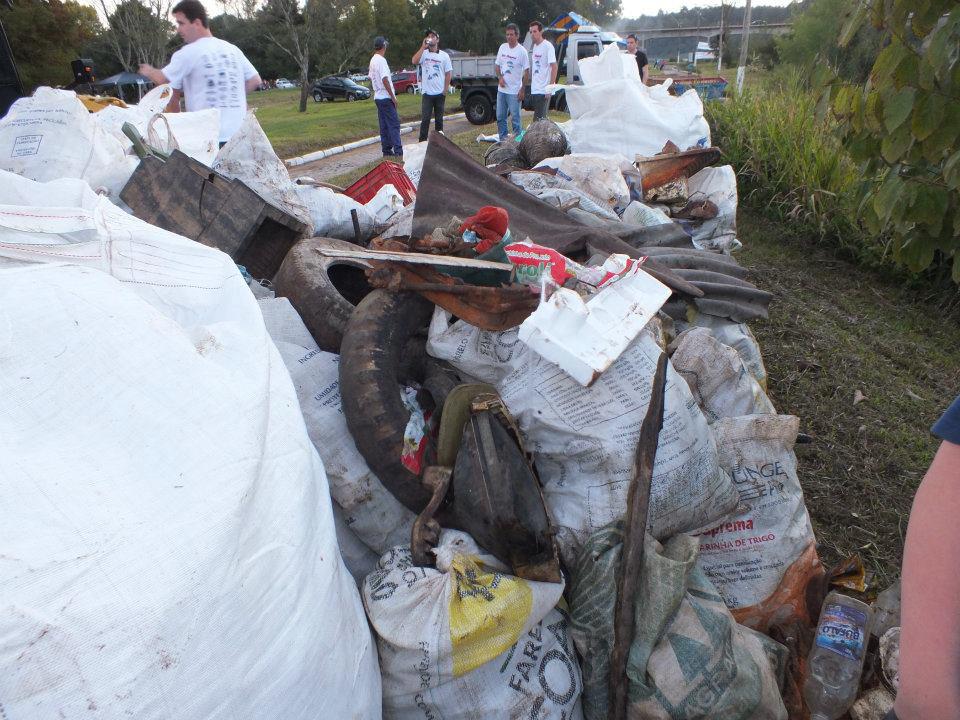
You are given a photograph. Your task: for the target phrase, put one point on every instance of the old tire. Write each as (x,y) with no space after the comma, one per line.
(323,290)
(318,97)
(410,90)
(351,97)
(371,369)
(478,109)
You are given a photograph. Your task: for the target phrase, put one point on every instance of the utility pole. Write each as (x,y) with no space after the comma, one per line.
(745,41)
(723,17)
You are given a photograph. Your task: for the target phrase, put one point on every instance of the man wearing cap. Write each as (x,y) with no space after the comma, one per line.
(435,72)
(385,99)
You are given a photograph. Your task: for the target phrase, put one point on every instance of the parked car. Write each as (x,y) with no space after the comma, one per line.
(332,87)
(405,81)
(359,77)
(285,84)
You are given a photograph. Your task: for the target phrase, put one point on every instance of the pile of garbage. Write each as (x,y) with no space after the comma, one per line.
(496,447)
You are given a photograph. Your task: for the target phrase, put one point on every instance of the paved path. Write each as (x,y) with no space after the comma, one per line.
(352,159)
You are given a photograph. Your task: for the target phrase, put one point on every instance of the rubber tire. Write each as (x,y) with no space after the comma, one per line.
(374,346)
(351,97)
(478,109)
(325,303)
(561,104)
(410,90)
(318,97)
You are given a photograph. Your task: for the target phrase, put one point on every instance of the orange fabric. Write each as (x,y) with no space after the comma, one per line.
(490,223)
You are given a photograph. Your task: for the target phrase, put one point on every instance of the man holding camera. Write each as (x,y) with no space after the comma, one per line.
(435,72)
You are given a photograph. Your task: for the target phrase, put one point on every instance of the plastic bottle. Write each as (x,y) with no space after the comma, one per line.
(836,660)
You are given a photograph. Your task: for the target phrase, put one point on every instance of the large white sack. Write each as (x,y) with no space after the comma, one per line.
(719,185)
(584,439)
(609,65)
(249,157)
(330,213)
(369,509)
(762,558)
(413,155)
(52,135)
(617,114)
(196,134)
(467,640)
(717,376)
(167,536)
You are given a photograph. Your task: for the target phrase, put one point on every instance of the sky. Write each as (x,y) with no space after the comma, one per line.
(636,8)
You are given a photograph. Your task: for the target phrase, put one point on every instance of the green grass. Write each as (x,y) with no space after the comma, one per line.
(324,124)
(835,328)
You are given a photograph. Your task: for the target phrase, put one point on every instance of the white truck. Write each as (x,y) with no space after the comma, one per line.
(476,77)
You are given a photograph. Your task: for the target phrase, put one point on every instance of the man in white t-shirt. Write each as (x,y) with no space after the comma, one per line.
(207,71)
(386,99)
(435,72)
(511,67)
(543,70)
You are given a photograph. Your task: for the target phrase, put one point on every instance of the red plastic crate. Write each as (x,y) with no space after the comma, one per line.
(386,172)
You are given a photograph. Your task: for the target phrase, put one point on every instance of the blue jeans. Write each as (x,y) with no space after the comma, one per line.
(507,104)
(389,127)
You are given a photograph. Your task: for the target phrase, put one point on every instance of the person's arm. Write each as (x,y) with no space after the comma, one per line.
(553,74)
(645,74)
(174,105)
(153,74)
(523,83)
(416,56)
(930,596)
(500,81)
(388,86)
(446,81)
(251,84)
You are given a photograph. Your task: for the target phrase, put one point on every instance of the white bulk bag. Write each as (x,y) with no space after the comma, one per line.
(166,532)
(51,135)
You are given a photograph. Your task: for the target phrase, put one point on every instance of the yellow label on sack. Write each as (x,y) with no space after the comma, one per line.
(487,613)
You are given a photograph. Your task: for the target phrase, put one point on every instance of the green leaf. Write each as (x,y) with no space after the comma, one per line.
(955,260)
(888,197)
(888,60)
(906,72)
(951,171)
(896,144)
(917,252)
(927,114)
(853,24)
(872,114)
(928,208)
(944,135)
(897,108)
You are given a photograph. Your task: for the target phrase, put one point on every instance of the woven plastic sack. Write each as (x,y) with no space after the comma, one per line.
(734,334)
(689,660)
(467,640)
(718,379)
(762,558)
(584,439)
(719,186)
(369,509)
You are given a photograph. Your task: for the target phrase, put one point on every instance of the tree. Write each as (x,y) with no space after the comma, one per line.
(293,30)
(348,42)
(248,35)
(603,12)
(45,35)
(903,126)
(470,25)
(139,31)
(401,23)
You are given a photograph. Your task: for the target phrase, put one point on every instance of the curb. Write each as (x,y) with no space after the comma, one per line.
(338,149)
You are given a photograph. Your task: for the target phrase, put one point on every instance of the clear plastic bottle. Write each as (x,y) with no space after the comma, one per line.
(836,660)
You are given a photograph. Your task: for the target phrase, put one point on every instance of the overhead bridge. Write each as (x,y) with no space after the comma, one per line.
(706,31)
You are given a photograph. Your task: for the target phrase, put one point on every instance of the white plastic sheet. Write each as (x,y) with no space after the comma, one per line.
(166,535)
(330,213)
(719,185)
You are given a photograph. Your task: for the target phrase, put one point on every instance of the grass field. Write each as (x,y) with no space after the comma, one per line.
(324,124)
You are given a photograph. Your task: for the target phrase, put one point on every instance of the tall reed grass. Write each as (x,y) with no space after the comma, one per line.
(789,163)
